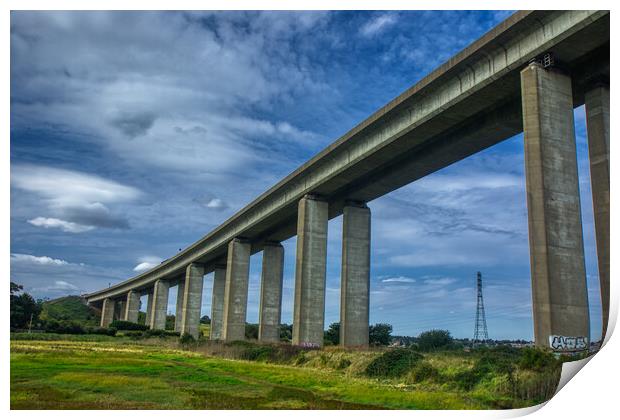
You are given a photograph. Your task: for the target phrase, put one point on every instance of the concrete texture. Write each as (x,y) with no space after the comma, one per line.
(309,305)
(217,302)
(107,312)
(160,305)
(469,103)
(236,290)
(559,292)
(270,309)
(122,307)
(597,121)
(133,306)
(192,299)
(149,307)
(355,276)
(178,317)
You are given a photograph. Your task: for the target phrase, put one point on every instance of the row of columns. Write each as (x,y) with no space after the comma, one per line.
(230,285)
(559,288)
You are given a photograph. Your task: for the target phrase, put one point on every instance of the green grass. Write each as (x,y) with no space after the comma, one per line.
(69,308)
(118,373)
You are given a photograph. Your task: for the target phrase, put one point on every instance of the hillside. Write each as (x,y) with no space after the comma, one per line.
(70,308)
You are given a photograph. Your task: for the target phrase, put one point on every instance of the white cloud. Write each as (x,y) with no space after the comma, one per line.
(59,286)
(378,24)
(51,222)
(443,281)
(75,199)
(146,263)
(32,259)
(399,279)
(216,203)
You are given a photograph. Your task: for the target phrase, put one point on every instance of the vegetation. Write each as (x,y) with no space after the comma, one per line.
(128,325)
(434,340)
(380,334)
(24,309)
(71,309)
(160,372)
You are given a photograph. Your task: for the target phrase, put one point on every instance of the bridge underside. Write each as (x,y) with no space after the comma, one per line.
(476,100)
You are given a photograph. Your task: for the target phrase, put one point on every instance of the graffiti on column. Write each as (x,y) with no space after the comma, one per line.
(562,343)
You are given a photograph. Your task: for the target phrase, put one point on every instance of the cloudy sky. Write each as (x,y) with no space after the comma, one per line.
(133,134)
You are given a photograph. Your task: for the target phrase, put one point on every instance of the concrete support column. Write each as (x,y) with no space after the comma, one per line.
(160,305)
(271,293)
(178,317)
(236,290)
(149,307)
(355,276)
(192,299)
(217,302)
(122,308)
(597,120)
(309,305)
(107,312)
(132,307)
(559,292)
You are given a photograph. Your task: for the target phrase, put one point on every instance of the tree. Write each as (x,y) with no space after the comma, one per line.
(251,331)
(23,307)
(434,339)
(380,334)
(332,335)
(205,319)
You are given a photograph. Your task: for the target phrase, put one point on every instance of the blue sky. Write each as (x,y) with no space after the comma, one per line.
(133,134)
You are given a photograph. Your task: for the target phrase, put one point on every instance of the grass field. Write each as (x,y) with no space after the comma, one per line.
(123,374)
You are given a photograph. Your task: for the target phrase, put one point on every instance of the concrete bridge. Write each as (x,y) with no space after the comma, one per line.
(525,75)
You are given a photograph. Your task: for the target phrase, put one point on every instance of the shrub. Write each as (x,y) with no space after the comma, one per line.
(424,371)
(64,327)
(128,325)
(380,334)
(343,364)
(538,360)
(434,340)
(102,331)
(133,334)
(186,339)
(393,363)
(160,333)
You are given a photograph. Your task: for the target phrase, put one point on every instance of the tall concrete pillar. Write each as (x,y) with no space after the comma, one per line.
(132,307)
(178,317)
(217,302)
(271,293)
(597,120)
(355,276)
(309,305)
(107,312)
(559,292)
(160,305)
(236,290)
(192,299)
(122,306)
(149,307)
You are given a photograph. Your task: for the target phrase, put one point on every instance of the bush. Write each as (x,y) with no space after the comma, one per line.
(133,334)
(64,327)
(128,325)
(187,339)
(424,371)
(160,333)
(380,334)
(538,360)
(434,340)
(393,363)
(102,331)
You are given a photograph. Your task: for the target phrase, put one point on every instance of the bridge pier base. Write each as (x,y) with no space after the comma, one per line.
(192,299)
(271,293)
(309,305)
(559,292)
(178,312)
(133,307)
(217,302)
(236,290)
(160,305)
(355,276)
(597,120)
(107,312)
